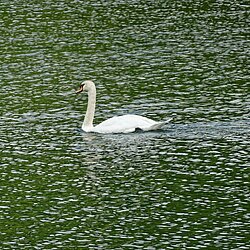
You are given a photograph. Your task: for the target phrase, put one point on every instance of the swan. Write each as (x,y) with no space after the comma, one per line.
(117,124)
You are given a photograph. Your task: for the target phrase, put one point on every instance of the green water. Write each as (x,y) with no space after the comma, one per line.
(184,187)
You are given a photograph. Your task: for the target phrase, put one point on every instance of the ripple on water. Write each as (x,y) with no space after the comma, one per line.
(184,187)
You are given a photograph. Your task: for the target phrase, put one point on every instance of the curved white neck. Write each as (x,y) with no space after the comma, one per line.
(89,117)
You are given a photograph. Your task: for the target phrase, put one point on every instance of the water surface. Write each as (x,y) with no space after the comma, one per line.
(185,187)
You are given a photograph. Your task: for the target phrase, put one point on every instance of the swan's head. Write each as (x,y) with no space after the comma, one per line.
(86,85)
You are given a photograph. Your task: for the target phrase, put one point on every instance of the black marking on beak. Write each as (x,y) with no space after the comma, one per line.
(80,89)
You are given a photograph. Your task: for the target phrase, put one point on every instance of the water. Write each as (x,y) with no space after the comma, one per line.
(185,187)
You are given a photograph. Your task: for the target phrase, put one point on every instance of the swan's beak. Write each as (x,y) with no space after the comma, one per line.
(80,90)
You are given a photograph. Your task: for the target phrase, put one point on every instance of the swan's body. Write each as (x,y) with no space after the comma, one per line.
(117,124)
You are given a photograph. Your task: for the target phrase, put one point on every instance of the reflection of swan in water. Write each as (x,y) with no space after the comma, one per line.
(117,124)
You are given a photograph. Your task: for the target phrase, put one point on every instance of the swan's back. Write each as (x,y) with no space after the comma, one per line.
(126,124)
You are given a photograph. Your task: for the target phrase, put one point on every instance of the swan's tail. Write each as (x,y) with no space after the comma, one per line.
(158,125)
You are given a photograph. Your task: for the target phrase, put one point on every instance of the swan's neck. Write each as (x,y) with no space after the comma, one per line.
(89,117)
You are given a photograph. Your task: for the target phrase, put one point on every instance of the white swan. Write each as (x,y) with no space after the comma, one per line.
(117,124)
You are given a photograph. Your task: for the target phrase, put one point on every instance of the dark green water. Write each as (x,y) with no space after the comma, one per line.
(185,187)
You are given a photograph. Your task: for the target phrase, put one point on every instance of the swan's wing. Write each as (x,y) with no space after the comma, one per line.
(117,124)
(127,124)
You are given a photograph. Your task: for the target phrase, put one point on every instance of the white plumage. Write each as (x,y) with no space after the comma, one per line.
(117,124)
